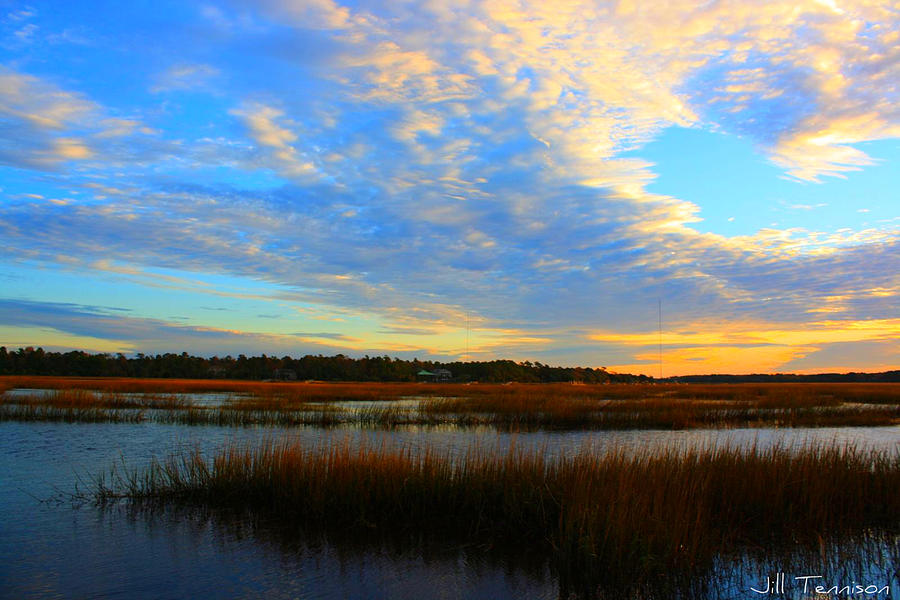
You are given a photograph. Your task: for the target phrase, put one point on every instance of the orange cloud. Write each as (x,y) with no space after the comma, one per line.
(742,348)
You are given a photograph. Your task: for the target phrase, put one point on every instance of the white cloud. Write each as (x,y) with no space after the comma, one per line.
(266,127)
(47,127)
(310,14)
(41,104)
(184,77)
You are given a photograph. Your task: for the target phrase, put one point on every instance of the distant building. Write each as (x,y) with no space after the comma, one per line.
(442,375)
(436,375)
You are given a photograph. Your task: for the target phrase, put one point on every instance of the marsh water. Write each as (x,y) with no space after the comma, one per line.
(53,545)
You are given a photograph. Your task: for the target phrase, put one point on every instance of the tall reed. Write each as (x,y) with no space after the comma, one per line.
(511,413)
(71,414)
(79,398)
(615,516)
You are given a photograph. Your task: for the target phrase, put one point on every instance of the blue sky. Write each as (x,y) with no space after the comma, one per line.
(289,176)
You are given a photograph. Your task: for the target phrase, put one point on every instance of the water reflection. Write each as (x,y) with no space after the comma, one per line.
(349,564)
(55,550)
(267,558)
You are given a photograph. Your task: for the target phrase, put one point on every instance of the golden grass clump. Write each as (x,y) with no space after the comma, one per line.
(610,514)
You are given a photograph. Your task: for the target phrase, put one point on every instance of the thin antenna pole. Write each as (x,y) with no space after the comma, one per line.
(660,338)
(467,335)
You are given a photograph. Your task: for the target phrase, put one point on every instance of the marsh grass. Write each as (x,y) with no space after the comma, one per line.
(278,391)
(505,407)
(545,412)
(771,394)
(616,418)
(617,517)
(74,414)
(78,405)
(243,417)
(78,398)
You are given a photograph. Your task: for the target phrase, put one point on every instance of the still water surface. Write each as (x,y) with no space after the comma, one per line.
(52,547)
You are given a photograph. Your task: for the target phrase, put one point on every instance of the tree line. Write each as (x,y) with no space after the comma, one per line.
(31,361)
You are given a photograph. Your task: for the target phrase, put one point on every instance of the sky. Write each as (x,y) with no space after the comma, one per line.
(675,188)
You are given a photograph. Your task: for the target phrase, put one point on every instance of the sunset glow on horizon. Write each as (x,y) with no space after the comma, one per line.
(466,180)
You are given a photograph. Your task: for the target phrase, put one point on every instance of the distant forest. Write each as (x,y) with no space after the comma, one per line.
(31,361)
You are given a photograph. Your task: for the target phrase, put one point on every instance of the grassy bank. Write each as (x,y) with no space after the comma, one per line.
(770,395)
(79,398)
(509,408)
(657,412)
(614,517)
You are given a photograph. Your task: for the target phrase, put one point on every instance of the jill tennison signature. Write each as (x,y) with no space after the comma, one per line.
(815,584)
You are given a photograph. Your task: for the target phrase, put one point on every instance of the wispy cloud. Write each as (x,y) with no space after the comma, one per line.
(47,127)
(184,77)
(148,335)
(277,141)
